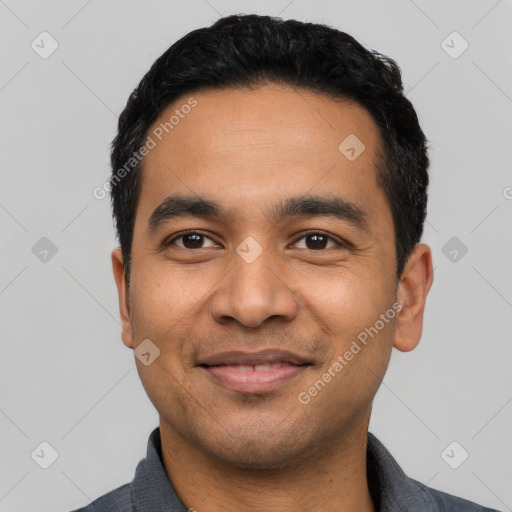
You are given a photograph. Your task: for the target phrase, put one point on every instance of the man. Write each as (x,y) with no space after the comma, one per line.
(269,189)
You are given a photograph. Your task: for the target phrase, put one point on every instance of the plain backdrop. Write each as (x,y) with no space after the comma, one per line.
(66,377)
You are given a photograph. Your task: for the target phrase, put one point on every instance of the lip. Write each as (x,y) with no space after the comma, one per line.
(267,356)
(254,372)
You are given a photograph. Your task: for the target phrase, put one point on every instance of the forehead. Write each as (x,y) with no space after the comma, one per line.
(226,119)
(247,146)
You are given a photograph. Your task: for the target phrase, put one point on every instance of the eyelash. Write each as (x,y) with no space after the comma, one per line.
(339,244)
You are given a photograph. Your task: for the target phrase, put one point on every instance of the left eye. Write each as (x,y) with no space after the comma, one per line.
(315,241)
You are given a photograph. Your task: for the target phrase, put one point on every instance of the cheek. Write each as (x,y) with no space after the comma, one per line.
(165,296)
(346,299)
(359,350)
(348,307)
(170,307)
(165,305)
(360,342)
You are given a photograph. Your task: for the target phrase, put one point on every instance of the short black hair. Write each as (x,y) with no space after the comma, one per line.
(240,51)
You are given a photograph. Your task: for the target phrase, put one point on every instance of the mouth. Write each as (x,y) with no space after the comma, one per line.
(254,372)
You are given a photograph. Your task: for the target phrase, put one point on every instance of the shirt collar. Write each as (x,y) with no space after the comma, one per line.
(151,488)
(391,489)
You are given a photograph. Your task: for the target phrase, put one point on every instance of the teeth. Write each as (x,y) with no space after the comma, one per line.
(245,368)
(262,367)
(267,366)
(258,367)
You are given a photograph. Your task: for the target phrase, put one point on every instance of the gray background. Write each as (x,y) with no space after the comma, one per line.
(67,379)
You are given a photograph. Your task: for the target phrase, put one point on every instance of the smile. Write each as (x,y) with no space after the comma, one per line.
(257,378)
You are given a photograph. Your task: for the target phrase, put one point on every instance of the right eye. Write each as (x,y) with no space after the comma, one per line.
(190,240)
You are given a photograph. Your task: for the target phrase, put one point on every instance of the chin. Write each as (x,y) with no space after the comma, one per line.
(257,448)
(257,457)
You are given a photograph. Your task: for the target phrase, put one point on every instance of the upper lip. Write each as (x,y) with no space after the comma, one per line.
(254,358)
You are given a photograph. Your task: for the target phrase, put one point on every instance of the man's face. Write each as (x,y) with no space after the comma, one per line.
(306,282)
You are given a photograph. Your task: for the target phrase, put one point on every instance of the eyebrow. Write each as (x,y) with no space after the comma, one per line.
(179,205)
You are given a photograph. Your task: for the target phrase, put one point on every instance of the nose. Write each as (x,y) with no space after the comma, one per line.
(253,292)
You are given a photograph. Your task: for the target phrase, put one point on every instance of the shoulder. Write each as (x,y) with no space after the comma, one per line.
(445,502)
(395,491)
(116,500)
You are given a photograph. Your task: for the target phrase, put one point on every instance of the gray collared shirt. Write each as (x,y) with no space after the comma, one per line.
(392,491)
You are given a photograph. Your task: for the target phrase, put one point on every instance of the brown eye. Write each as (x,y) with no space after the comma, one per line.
(190,240)
(317,241)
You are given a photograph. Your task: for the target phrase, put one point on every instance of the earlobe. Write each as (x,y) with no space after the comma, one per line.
(123,296)
(413,288)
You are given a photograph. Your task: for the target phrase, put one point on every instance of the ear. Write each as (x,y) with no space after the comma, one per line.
(123,294)
(413,288)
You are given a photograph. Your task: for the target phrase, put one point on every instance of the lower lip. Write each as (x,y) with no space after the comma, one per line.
(254,381)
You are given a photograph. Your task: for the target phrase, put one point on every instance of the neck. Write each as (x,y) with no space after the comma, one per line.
(331,478)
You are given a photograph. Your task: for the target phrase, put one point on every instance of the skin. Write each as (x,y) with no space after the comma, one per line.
(249,149)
